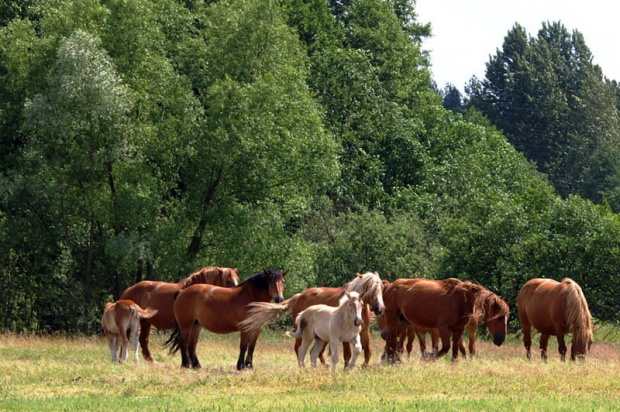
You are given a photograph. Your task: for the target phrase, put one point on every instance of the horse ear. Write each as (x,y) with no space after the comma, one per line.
(284,273)
(376,273)
(348,294)
(359,275)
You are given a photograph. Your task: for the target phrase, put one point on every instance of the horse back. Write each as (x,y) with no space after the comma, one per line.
(426,304)
(156,295)
(542,304)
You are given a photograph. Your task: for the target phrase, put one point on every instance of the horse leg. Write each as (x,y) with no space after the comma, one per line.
(317,350)
(346,353)
(365,334)
(333,348)
(112,345)
(192,342)
(457,336)
(252,338)
(303,348)
(357,348)
(422,343)
(527,338)
(410,339)
(562,348)
(444,334)
(145,330)
(544,343)
(392,321)
(134,342)
(472,332)
(124,343)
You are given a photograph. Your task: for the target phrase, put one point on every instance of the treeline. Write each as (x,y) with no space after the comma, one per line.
(144,139)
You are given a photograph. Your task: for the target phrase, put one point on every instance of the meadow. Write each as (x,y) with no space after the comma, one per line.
(60,373)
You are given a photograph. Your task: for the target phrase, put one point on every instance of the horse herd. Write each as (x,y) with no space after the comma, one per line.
(213,298)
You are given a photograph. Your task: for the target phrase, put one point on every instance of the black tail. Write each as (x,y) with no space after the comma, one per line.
(174,341)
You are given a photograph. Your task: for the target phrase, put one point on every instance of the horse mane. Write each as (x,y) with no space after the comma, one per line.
(264,278)
(207,274)
(368,285)
(578,313)
(491,305)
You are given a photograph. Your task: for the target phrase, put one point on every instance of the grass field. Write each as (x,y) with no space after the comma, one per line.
(43,374)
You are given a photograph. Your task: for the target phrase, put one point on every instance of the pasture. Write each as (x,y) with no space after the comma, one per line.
(57,373)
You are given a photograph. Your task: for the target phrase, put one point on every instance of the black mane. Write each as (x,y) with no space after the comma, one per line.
(264,278)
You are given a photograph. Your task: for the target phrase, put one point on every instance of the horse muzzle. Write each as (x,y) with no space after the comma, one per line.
(378,308)
(498,339)
(278,298)
(357,321)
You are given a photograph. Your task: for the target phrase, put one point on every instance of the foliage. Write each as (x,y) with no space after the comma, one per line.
(142,140)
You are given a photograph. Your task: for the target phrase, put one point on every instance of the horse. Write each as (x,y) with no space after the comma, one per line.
(160,296)
(220,310)
(331,325)
(368,285)
(447,305)
(120,319)
(555,308)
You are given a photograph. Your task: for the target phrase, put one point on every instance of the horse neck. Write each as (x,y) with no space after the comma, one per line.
(248,292)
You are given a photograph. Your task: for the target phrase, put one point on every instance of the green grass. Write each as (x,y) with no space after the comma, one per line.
(76,374)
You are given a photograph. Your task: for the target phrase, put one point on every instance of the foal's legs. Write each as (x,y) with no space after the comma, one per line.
(124,342)
(333,347)
(133,338)
(544,343)
(317,350)
(357,348)
(302,349)
(113,345)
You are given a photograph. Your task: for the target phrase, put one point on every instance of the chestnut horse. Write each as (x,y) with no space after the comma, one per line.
(120,319)
(324,324)
(555,308)
(446,305)
(219,310)
(160,296)
(368,285)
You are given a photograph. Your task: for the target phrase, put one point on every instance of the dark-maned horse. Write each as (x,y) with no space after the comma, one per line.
(160,296)
(368,285)
(555,308)
(443,304)
(219,310)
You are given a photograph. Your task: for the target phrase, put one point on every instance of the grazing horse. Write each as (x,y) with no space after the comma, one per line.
(160,296)
(219,310)
(447,305)
(555,308)
(331,325)
(120,319)
(368,285)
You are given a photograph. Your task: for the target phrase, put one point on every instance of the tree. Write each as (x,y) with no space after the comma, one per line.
(552,103)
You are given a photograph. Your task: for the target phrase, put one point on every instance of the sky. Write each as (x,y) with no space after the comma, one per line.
(466,33)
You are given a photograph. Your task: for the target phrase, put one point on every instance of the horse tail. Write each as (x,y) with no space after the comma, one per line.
(301,325)
(578,314)
(138,312)
(174,341)
(260,313)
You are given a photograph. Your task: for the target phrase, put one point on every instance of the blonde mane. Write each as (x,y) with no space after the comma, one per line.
(368,285)
(578,314)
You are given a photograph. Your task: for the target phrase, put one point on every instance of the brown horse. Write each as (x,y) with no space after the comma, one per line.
(368,285)
(555,308)
(121,323)
(160,296)
(443,304)
(220,310)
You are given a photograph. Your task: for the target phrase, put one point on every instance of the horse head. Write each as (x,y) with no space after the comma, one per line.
(354,307)
(276,285)
(370,287)
(495,315)
(230,277)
